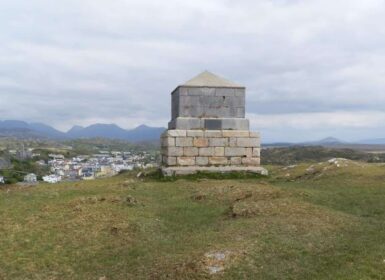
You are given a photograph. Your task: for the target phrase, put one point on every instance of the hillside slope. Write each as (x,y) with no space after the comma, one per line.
(296,227)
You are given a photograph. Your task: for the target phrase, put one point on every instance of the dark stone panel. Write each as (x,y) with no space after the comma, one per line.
(213,124)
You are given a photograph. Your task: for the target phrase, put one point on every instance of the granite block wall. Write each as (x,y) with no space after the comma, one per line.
(204,102)
(210,148)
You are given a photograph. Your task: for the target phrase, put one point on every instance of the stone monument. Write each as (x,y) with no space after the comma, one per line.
(208,130)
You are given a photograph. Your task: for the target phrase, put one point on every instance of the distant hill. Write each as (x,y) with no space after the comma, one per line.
(23,130)
(20,129)
(298,154)
(326,141)
(373,145)
(112,131)
(74,130)
(144,133)
(29,130)
(47,130)
(377,141)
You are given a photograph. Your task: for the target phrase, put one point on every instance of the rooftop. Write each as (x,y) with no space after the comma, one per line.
(208,79)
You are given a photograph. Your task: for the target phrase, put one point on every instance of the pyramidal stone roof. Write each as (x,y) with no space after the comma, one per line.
(208,79)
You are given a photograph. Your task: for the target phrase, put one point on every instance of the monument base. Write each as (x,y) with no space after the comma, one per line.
(190,151)
(187,170)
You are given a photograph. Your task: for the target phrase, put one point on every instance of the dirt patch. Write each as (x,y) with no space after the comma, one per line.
(199,197)
(130,201)
(259,208)
(234,192)
(78,203)
(130,184)
(290,215)
(123,231)
(211,264)
(215,262)
(190,268)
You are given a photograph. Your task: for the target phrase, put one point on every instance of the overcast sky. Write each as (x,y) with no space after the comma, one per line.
(312,68)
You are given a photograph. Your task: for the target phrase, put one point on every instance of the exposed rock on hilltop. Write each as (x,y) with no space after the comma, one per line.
(316,170)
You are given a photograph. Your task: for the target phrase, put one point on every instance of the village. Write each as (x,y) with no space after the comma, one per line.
(87,167)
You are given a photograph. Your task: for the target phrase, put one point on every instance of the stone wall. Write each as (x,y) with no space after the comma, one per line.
(209,124)
(210,148)
(206,102)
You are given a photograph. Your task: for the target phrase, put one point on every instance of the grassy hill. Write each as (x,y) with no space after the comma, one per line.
(306,221)
(297,154)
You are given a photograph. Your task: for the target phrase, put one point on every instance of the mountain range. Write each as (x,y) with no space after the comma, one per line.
(21,129)
(330,142)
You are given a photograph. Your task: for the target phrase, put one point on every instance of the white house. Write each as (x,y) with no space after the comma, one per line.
(54,156)
(52,179)
(2,181)
(30,178)
(41,163)
(119,167)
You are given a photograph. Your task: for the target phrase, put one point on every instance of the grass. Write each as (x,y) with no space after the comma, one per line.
(319,224)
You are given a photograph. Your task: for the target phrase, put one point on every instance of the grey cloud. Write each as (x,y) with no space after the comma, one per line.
(70,61)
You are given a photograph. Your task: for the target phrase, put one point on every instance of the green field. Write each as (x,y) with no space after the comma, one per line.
(325,221)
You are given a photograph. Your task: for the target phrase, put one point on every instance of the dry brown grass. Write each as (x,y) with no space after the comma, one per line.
(125,228)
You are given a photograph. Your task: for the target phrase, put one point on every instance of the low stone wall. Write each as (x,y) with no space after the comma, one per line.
(210,148)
